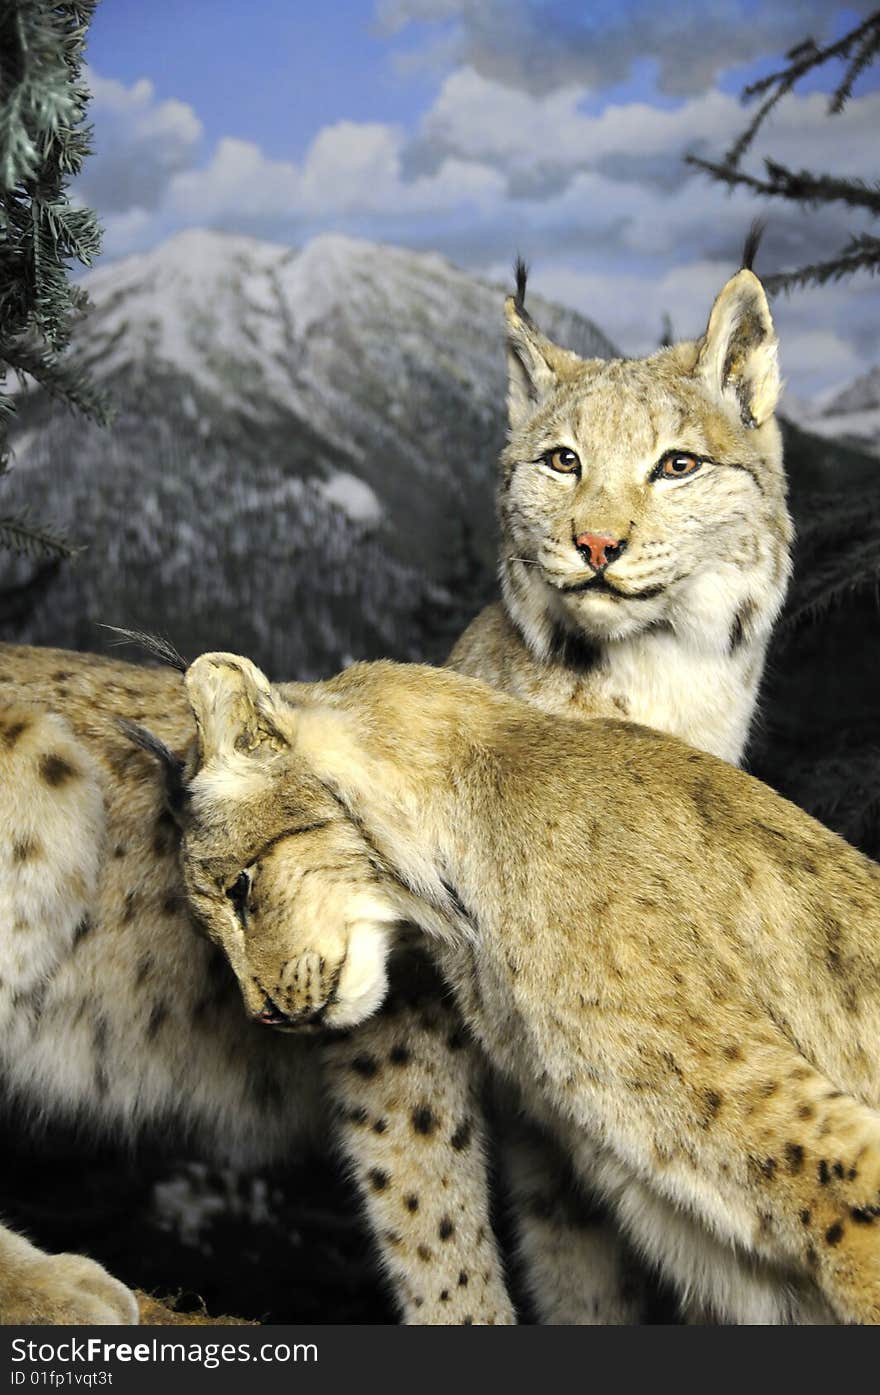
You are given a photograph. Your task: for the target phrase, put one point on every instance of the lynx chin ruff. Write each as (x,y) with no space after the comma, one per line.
(93,935)
(683,982)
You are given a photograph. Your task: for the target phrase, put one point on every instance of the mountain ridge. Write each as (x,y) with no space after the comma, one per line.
(308,433)
(850,413)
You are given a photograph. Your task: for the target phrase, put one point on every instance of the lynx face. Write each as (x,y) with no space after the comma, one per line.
(645,493)
(282,882)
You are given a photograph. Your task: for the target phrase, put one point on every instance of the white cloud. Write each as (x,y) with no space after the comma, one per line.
(239,179)
(599,203)
(817,358)
(350,169)
(550,135)
(139,144)
(128,232)
(350,166)
(527,45)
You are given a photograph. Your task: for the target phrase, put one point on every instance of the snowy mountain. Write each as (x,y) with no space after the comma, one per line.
(302,461)
(850,414)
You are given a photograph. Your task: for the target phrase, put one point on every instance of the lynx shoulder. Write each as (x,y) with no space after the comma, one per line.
(682,981)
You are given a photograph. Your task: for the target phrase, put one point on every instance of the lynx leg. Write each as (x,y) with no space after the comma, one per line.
(52,1289)
(577,1268)
(717,1282)
(406,1090)
(785,1178)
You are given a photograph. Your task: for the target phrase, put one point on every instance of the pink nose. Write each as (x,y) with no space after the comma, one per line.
(599,549)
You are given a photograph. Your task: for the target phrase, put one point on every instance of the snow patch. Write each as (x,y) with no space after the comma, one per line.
(352,496)
(862,428)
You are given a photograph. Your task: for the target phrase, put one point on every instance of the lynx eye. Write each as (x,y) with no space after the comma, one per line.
(238,892)
(563,461)
(675,465)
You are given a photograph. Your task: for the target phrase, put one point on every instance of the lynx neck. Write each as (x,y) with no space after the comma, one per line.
(705,695)
(706,699)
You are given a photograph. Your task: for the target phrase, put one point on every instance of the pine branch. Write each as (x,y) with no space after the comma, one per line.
(807,55)
(30,539)
(823,188)
(801,186)
(865,55)
(804,59)
(843,547)
(861,253)
(859,47)
(62,378)
(43,143)
(747,138)
(43,98)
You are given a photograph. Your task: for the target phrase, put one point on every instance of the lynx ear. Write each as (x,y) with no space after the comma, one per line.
(234,707)
(530,376)
(738,356)
(534,363)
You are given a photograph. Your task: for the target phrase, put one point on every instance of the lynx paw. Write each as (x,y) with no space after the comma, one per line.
(56,1289)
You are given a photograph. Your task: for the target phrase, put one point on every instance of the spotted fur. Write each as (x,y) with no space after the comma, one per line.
(689,1002)
(115,1008)
(660,674)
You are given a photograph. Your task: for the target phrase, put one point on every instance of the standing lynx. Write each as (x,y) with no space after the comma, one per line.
(634,584)
(682,982)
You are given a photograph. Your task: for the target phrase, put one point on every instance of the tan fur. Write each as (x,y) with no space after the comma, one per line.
(709,555)
(684,981)
(677,638)
(694,670)
(114,1008)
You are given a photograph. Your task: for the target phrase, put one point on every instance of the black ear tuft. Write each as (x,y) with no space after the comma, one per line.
(176,792)
(161,649)
(521,272)
(752,243)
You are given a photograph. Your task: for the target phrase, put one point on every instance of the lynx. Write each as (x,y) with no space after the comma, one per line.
(144,1043)
(645,555)
(115,1012)
(683,982)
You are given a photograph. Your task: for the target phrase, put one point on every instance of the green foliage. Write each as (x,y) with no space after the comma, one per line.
(29,539)
(43,142)
(856,50)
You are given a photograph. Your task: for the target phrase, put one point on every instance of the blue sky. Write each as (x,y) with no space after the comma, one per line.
(479,128)
(276,78)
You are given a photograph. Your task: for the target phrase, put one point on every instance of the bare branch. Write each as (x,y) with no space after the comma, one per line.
(864,39)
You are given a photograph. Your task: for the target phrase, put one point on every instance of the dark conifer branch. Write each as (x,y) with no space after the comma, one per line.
(801,186)
(857,49)
(864,39)
(21,535)
(43,142)
(860,254)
